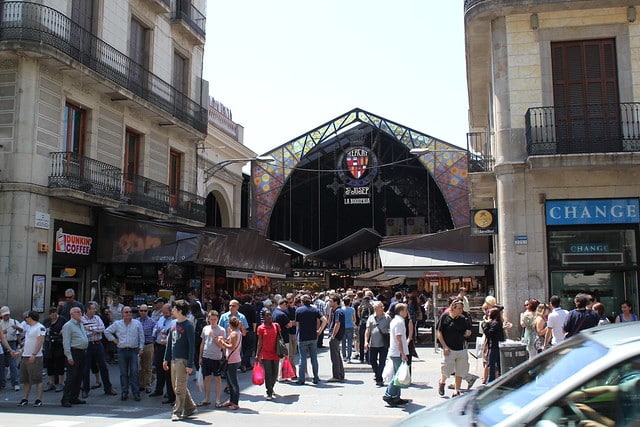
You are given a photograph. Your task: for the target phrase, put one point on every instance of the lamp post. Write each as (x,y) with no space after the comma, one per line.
(208,173)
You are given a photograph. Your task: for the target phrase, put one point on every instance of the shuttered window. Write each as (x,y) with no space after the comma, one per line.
(585,90)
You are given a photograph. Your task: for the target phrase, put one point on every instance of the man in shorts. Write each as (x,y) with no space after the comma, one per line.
(31,363)
(453,329)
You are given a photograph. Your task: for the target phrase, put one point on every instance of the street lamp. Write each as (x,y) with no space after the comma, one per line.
(208,173)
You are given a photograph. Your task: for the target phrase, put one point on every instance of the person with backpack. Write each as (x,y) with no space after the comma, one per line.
(365,310)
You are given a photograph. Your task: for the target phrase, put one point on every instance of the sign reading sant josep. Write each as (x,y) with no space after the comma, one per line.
(357,168)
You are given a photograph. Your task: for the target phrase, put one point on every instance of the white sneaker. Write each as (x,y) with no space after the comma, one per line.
(16,387)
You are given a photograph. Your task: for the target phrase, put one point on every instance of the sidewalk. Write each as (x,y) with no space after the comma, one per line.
(358,397)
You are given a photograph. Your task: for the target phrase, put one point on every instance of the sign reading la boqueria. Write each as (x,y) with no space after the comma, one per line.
(357,168)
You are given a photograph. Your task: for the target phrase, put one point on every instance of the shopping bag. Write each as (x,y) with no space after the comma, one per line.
(387,372)
(258,373)
(402,377)
(287,369)
(199,380)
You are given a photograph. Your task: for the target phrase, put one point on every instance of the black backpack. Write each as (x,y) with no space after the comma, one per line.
(364,311)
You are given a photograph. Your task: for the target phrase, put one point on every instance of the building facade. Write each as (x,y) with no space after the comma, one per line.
(103,109)
(553,94)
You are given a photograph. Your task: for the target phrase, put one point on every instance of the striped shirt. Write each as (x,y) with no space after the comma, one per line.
(93,326)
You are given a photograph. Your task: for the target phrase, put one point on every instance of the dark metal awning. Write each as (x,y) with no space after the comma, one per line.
(453,252)
(362,240)
(125,240)
(294,247)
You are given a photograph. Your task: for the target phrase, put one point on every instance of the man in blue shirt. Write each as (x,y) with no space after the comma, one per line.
(128,336)
(310,323)
(336,332)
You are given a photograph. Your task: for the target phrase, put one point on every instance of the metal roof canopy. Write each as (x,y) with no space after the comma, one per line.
(360,241)
(454,252)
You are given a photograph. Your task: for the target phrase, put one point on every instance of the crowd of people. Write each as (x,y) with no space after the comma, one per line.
(543,325)
(158,347)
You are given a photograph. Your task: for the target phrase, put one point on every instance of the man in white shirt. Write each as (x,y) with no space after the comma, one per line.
(555,334)
(31,363)
(398,352)
(11,329)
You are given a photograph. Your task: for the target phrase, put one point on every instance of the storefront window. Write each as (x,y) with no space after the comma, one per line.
(602,263)
(583,248)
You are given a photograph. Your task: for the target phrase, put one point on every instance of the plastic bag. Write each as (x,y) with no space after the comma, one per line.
(258,373)
(387,372)
(287,369)
(402,378)
(199,380)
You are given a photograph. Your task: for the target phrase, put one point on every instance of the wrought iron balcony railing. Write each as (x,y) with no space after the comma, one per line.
(30,22)
(184,10)
(480,151)
(71,170)
(581,129)
(145,192)
(190,206)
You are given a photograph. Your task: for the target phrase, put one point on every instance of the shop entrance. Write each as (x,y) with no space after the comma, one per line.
(608,287)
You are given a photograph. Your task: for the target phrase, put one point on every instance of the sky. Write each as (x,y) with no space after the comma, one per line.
(284,67)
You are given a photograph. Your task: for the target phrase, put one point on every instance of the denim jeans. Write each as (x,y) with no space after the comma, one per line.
(310,349)
(232,381)
(128,363)
(378,357)
(347,343)
(393,391)
(14,362)
(95,352)
(3,381)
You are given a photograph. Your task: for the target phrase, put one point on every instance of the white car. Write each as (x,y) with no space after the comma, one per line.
(592,380)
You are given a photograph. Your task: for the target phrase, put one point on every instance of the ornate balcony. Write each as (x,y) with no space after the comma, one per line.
(480,152)
(184,11)
(33,25)
(583,129)
(71,170)
(89,176)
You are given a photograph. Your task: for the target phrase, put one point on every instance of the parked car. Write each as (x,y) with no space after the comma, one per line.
(592,379)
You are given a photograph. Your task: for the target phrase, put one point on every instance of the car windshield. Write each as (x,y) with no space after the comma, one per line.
(551,368)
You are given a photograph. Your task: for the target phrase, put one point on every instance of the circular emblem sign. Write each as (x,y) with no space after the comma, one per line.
(357,167)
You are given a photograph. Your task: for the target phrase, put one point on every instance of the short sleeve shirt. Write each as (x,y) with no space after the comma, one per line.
(211,350)
(307,317)
(31,340)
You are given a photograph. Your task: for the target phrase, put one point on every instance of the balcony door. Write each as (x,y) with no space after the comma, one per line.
(585,91)
(175,159)
(131,160)
(82,14)
(73,142)
(138,41)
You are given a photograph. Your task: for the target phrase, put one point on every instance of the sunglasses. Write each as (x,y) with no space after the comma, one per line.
(143,311)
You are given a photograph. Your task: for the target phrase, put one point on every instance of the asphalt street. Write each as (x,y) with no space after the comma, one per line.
(357,401)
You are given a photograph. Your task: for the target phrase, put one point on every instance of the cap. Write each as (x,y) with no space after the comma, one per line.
(4,310)
(161,299)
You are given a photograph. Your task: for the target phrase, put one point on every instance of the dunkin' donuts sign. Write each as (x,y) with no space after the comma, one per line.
(72,243)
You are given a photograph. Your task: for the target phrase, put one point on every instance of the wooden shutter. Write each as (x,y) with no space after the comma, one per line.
(585,90)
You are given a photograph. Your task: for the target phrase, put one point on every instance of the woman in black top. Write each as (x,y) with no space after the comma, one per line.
(494,331)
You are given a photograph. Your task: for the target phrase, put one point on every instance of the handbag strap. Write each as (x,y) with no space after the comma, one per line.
(234,348)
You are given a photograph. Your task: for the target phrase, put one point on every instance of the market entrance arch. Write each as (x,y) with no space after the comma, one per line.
(302,196)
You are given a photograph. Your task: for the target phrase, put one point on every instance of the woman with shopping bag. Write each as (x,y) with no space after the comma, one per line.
(398,351)
(233,348)
(266,352)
